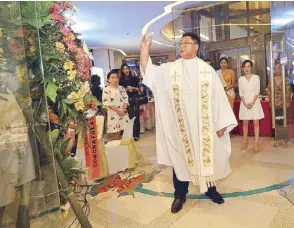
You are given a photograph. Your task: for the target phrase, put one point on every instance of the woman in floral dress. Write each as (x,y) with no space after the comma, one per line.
(115,98)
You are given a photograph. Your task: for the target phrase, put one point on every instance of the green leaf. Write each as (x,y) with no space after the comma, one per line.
(77,171)
(73,113)
(61,111)
(88,98)
(79,128)
(46,20)
(57,152)
(68,163)
(54,135)
(69,101)
(51,91)
(58,157)
(36,14)
(50,57)
(43,8)
(63,147)
(65,108)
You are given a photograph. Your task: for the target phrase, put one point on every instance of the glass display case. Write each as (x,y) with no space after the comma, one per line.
(29,195)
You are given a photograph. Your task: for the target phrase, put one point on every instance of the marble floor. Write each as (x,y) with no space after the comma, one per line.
(250,191)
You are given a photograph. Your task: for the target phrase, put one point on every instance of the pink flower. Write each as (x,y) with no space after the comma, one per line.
(54,9)
(64,5)
(57,17)
(15,47)
(71,44)
(21,32)
(83,64)
(65,31)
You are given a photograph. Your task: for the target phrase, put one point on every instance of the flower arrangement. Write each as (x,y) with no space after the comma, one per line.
(67,72)
(67,67)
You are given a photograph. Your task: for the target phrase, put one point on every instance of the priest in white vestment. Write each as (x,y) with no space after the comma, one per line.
(193,119)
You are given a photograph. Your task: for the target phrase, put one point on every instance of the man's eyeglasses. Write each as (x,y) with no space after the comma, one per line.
(184,43)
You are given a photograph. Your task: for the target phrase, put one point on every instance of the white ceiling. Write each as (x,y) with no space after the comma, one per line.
(118,24)
(106,24)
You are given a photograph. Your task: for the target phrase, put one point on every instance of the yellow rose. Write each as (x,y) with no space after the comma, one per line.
(31,40)
(72,74)
(21,74)
(82,92)
(79,105)
(32,49)
(73,95)
(68,65)
(71,36)
(59,47)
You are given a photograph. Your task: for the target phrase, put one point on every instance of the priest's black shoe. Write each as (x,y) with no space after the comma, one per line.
(177,205)
(214,195)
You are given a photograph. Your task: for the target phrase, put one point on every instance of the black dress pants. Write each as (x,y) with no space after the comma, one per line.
(133,111)
(181,187)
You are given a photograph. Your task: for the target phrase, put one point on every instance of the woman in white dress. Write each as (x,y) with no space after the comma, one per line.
(115,98)
(250,107)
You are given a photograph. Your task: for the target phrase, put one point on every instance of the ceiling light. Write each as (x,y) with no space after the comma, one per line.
(157,42)
(83,27)
(110,48)
(167,10)
(281,21)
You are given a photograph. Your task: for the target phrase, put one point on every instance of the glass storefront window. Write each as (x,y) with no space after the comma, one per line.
(281,68)
(259,24)
(259,5)
(237,9)
(238,28)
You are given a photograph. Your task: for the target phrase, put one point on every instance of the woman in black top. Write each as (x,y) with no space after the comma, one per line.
(96,90)
(131,84)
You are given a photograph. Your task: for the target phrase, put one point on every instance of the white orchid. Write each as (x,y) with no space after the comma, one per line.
(87,86)
(90,113)
(86,50)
